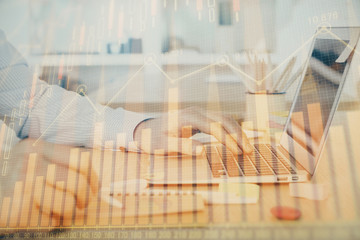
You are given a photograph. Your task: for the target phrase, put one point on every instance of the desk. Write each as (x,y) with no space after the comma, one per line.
(336,217)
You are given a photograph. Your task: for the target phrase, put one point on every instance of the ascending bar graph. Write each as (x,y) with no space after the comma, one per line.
(2,134)
(38,201)
(119,164)
(71,180)
(28,190)
(5,207)
(106,181)
(173,106)
(96,161)
(153,11)
(48,195)
(316,124)
(82,191)
(15,205)
(353,119)
(38,193)
(298,131)
(121,24)
(199,7)
(236,5)
(34,197)
(58,203)
(9,140)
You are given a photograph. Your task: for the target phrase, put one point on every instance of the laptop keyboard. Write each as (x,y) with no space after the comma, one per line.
(264,160)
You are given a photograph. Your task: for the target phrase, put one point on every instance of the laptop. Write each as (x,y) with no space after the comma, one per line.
(296,157)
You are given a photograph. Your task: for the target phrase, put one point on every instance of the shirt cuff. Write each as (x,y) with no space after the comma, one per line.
(120,126)
(132,145)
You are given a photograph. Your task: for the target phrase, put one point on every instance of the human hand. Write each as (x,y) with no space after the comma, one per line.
(66,185)
(171,132)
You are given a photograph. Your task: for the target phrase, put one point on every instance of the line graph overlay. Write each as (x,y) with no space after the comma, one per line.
(52,123)
(151,62)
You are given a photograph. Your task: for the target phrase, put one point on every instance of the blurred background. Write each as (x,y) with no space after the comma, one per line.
(129,52)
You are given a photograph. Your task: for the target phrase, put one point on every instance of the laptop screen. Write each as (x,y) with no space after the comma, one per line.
(317,95)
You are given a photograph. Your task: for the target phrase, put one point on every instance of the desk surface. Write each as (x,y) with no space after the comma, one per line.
(337,169)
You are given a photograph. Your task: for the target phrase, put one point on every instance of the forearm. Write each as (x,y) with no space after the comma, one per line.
(41,111)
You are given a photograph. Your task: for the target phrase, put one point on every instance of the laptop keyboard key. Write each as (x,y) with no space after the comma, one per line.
(274,160)
(259,163)
(283,161)
(263,161)
(229,162)
(215,163)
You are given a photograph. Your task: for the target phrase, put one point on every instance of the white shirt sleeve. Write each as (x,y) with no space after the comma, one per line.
(37,110)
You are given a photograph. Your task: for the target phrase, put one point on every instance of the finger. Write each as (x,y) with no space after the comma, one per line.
(233,128)
(150,142)
(182,145)
(82,197)
(54,219)
(77,191)
(68,209)
(220,133)
(83,169)
(46,205)
(207,125)
(51,214)
(93,180)
(88,172)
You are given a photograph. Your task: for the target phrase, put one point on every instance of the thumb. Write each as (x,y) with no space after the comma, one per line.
(184,145)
